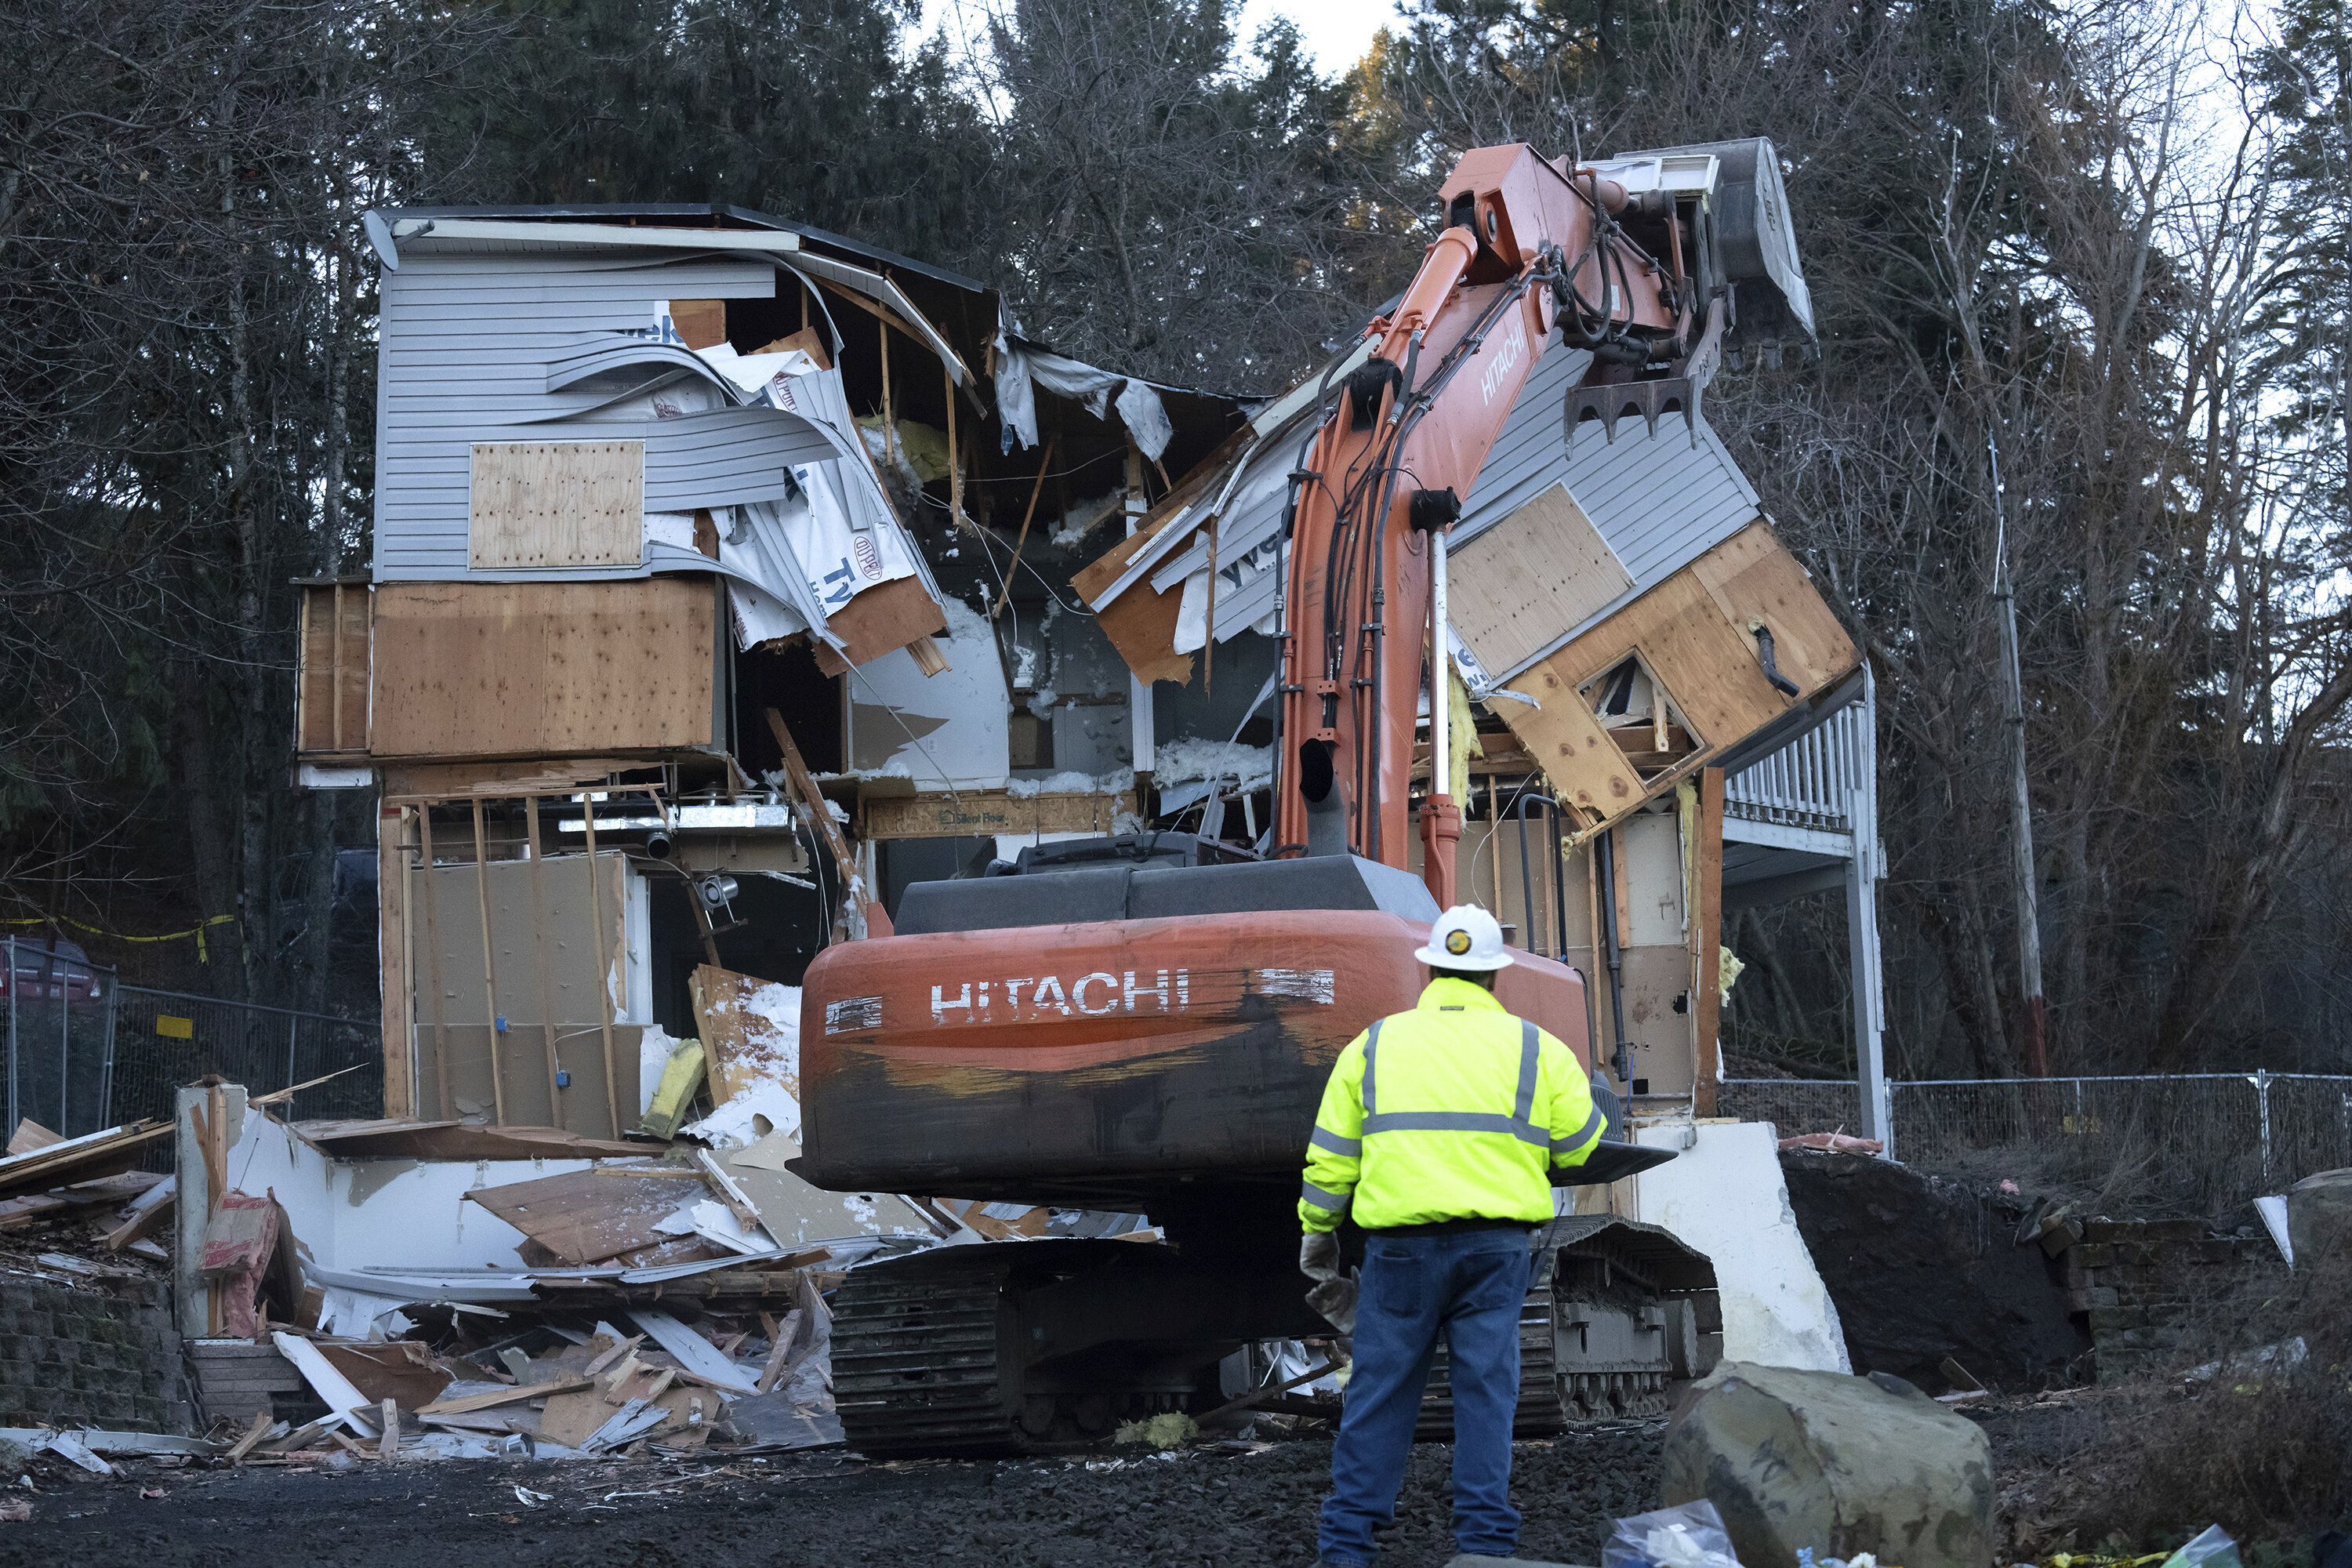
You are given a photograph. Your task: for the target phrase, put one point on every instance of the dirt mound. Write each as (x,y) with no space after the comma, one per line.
(1922,1269)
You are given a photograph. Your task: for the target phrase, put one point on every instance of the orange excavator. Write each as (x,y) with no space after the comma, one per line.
(1143,1023)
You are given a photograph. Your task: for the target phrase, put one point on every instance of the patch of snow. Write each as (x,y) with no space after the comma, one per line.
(1066,536)
(1191,758)
(1117,782)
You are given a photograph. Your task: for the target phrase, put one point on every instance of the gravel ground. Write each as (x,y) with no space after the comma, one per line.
(1198,1510)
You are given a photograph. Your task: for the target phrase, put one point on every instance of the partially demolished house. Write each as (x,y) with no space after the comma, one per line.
(728,577)
(720,587)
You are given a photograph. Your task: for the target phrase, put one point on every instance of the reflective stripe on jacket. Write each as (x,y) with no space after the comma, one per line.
(1455,1111)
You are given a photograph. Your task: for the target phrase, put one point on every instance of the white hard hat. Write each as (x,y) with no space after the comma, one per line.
(1466,937)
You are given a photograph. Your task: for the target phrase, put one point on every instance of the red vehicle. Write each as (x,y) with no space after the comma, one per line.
(44,968)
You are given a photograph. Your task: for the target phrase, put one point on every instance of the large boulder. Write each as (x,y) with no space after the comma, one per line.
(2319,1218)
(1795,1459)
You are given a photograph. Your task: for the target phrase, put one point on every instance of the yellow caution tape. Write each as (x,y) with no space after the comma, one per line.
(198,931)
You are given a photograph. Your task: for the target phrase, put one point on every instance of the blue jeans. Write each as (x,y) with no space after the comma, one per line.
(1470,1285)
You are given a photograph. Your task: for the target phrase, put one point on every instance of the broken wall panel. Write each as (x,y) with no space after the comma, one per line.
(1658,500)
(944,731)
(886,616)
(542,670)
(1692,633)
(463,1053)
(331,692)
(541,918)
(464,346)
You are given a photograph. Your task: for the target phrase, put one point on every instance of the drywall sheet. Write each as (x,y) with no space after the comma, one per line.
(542,926)
(944,732)
(540,669)
(522,1060)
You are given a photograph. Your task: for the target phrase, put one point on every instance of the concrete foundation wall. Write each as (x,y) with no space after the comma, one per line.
(2147,1289)
(75,1356)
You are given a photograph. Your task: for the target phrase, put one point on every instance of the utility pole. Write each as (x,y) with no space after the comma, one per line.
(2029,922)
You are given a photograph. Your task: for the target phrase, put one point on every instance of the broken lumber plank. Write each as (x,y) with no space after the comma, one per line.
(261,1428)
(388,1447)
(102,1153)
(620,1347)
(465,1402)
(695,1355)
(331,1386)
(357,1452)
(780,1337)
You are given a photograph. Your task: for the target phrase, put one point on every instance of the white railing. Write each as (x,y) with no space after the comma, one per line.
(1810,782)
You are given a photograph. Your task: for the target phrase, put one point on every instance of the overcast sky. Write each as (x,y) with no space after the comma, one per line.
(1336,32)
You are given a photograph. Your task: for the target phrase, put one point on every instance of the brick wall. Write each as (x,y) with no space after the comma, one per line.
(2150,1289)
(78,1355)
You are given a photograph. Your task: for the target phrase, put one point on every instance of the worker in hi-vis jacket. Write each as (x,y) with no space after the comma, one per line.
(1437,1134)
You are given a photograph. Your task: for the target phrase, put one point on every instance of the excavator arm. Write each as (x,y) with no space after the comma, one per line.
(1621,262)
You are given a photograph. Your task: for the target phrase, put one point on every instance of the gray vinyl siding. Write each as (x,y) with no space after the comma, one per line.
(1659,502)
(470,338)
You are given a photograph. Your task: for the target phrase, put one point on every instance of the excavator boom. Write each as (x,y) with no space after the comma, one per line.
(1528,244)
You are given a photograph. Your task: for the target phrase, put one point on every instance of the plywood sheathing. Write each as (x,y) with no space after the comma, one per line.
(1141,624)
(701,323)
(1692,631)
(745,1048)
(1540,569)
(542,670)
(888,615)
(538,504)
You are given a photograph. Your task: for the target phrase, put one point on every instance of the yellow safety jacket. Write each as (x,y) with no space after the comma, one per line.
(1455,1111)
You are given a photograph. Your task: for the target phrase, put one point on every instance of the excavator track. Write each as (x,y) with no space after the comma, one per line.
(916,1360)
(1035,1347)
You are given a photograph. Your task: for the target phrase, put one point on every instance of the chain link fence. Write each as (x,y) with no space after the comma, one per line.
(84,1053)
(166,1039)
(2229,1137)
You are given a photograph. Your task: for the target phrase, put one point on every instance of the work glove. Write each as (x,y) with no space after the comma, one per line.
(1334,1295)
